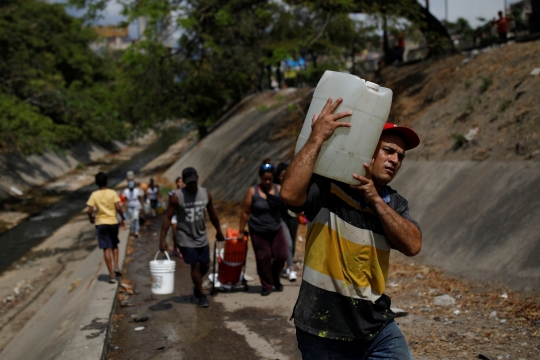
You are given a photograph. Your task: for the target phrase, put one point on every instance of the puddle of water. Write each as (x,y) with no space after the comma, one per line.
(18,240)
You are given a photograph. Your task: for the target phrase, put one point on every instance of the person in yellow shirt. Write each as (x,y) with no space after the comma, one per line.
(107,203)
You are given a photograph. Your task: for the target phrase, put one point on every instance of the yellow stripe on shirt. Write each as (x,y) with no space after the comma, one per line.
(337,191)
(362,260)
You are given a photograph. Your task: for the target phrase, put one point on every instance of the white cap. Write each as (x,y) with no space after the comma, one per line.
(372,86)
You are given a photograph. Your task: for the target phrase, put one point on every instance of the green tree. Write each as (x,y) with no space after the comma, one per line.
(460,28)
(54,90)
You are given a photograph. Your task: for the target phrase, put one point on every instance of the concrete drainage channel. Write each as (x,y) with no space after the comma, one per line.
(67,310)
(27,234)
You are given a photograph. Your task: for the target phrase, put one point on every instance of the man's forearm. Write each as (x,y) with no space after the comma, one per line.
(215,221)
(165,225)
(402,233)
(299,172)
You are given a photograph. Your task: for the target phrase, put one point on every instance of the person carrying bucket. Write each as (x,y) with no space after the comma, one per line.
(189,205)
(341,311)
(134,204)
(153,196)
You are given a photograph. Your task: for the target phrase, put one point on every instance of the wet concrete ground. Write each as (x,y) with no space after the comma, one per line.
(237,325)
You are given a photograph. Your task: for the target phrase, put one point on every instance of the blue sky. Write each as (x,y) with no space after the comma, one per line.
(468,9)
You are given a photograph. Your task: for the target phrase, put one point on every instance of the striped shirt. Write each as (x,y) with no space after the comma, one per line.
(346,263)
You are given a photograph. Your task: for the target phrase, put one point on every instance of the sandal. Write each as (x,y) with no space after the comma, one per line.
(112,280)
(117,272)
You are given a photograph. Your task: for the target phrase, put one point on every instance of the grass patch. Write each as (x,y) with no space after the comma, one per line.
(486,83)
(469,106)
(504,105)
(459,140)
(467,83)
(164,190)
(263,108)
(291,108)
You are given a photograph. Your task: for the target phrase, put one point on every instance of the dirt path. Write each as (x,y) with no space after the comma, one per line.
(236,325)
(484,318)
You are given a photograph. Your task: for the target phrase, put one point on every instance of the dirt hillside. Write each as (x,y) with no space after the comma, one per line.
(493,92)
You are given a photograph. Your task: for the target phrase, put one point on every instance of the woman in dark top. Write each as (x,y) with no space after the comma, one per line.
(261,206)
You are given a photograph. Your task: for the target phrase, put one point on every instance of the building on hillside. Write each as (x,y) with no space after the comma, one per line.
(111,38)
(523,17)
(165,29)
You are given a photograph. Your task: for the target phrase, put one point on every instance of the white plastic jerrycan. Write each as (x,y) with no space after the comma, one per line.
(349,148)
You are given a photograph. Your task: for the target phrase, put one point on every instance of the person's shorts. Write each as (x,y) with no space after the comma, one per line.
(174,220)
(107,236)
(192,256)
(153,203)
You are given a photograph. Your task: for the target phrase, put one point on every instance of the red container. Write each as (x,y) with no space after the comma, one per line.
(229,275)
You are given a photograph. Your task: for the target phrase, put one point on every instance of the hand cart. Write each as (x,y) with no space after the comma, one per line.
(229,264)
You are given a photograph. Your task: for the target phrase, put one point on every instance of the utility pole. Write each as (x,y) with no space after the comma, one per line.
(427,5)
(446,10)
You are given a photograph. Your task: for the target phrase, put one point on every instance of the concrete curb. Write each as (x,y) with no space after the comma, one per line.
(91,339)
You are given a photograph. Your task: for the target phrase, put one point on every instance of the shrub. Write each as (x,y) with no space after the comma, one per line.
(486,83)
(505,105)
(459,140)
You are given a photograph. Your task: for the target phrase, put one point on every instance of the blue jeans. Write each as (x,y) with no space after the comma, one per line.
(389,344)
(134,218)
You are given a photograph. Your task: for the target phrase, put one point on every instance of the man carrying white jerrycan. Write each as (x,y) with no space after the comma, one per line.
(341,311)
(188,204)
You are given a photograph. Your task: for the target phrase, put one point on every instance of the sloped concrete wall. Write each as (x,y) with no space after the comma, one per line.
(26,172)
(227,160)
(479,219)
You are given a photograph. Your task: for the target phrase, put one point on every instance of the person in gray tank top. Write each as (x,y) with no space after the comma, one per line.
(189,204)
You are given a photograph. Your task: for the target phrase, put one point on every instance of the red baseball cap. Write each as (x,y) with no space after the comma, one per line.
(408,135)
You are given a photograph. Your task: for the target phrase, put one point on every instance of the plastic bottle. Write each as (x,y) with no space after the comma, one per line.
(349,148)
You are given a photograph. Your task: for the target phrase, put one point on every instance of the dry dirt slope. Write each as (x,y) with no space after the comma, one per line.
(492,91)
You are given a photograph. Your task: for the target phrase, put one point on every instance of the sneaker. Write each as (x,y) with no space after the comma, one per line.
(117,272)
(292,276)
(265,293)
(203,301)
(136,234)
(278,287)
(112,280)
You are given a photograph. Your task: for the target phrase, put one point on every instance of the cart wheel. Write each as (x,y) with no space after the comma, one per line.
(246,287)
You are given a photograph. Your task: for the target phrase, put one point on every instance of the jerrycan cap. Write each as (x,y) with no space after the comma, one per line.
(372,86)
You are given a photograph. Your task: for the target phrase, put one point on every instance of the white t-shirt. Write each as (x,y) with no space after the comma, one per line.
(132,197)
(152,193)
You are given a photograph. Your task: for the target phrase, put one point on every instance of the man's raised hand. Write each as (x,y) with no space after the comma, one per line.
(366,188)
(324,124)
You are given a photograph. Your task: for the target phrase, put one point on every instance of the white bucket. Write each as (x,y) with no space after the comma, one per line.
(162,272)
